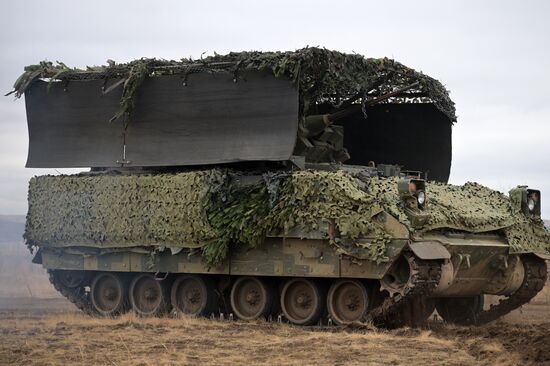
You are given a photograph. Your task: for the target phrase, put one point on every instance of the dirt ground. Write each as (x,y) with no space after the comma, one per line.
(52,332)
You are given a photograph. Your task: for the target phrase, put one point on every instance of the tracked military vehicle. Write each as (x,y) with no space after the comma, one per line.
(307,185)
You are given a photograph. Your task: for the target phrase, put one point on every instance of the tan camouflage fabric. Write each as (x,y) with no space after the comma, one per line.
(111,211)
(211,210)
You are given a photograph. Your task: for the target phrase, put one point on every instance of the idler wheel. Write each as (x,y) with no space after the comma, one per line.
(108,294)
(301,301)
(148,296)
(460,310)
(193,295)
(251,298)
(347,301)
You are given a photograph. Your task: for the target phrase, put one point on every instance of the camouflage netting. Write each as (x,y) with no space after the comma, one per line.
(322,76)
(208,209)
(121,211)
(304,200)
(472,208)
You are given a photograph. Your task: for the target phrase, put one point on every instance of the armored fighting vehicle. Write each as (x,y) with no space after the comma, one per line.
(308,186)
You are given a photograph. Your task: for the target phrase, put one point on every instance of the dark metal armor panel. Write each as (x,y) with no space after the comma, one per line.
(416,136)
(209,119)
(69,125)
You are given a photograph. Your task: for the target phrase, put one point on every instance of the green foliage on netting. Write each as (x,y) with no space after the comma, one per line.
(471,207)
(239,218)
(322,76)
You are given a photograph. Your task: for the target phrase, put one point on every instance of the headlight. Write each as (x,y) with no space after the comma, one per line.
(531,204)
(421,197)
(412,191)
(526,200)
(533,201)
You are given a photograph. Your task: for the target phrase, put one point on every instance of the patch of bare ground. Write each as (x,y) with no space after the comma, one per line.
(528,343)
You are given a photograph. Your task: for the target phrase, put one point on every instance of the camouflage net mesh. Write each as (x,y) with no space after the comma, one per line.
(470,207)
(322,76)
(208,209)
(301,200)
(121,211)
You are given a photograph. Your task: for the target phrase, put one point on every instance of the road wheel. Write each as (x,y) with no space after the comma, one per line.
(148,296)
(108,294)
(251,298)
(302,301)
(193,295)
(460,310)
(347,301)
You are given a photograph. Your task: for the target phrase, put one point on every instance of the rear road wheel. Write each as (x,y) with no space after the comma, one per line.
(108,294)
(251,298)
(302,301)
(149,296)
(193,295)
(347,301)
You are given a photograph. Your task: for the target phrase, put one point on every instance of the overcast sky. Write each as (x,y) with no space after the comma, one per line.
(494,56)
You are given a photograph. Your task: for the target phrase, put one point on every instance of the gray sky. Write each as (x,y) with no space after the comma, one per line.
(494,56)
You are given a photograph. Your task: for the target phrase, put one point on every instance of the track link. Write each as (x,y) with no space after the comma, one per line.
(535,278)
(425,276)
(78,295)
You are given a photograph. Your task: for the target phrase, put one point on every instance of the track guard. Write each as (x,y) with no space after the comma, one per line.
(429,250)
(542,256)
(37,259)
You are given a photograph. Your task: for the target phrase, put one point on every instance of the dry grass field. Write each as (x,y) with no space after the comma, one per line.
(71,338)
(51,332)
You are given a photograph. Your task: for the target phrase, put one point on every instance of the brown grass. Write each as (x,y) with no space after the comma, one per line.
(72,338)
(51,332)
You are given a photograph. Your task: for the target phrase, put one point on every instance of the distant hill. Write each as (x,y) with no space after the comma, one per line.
(19,277)
(11,228)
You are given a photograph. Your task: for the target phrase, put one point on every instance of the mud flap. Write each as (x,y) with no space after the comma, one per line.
(429,250)
(542,256)
(37,259)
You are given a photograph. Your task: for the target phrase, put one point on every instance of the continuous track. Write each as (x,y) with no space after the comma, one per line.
(425,276)
(535,278)
(77,295)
